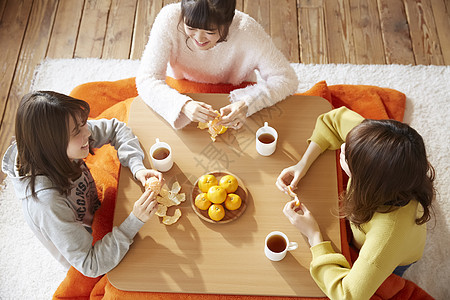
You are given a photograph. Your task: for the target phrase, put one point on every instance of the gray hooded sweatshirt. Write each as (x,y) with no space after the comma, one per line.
(63,223)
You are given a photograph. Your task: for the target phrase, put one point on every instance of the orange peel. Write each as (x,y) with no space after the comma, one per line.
(213,129)
(168,198)
(169,220)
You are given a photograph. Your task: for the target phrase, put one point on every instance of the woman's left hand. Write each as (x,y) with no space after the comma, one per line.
(301,217)
(234,115)
(143,174)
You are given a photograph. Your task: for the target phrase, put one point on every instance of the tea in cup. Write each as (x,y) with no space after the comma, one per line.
(266,140)
(161,156)
(277,245)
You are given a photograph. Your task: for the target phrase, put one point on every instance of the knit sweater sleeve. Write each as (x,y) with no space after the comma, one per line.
(390,239)
(332,127)
(55,220)
(279,79)
(150,79)
(121,137)
(335,277)
(377,260)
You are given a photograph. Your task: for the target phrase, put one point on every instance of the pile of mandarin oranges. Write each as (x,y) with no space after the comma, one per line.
(217,194)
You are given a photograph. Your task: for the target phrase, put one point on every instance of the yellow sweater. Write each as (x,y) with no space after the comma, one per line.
(386,241)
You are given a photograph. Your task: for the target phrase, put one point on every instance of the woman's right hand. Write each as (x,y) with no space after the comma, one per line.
(290,177)
(145,207)
(198,111)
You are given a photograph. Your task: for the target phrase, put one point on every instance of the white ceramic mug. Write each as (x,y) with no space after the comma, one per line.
(266,140)
(277,245)
(161,156)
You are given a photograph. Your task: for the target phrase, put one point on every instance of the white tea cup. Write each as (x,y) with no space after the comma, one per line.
(161,156)
(266,140)
(277,245)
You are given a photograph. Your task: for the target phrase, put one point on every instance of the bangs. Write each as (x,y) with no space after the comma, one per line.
(198,16)
(80,109)
(208,15)
(79,113)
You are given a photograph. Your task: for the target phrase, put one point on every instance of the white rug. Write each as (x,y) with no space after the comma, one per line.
(28,272)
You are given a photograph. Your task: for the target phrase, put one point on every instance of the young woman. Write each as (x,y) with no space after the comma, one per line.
(58,194)
(387,202)
(209,41)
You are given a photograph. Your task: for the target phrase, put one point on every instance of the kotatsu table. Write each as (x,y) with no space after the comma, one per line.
(195,256)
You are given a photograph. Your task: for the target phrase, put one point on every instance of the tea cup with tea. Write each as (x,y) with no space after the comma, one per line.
(277,245)
(161,156)
(266,140)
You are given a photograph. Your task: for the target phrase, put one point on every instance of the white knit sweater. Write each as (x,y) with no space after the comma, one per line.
(247,48)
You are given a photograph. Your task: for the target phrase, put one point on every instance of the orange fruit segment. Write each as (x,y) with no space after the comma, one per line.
(216,212)
(291,192)
(293,195)
(229,183)
(222,130)
(217,194)
(233,202)
(202,202)
(206,181)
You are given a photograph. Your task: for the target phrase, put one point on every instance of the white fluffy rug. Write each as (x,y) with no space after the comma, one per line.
(28,272)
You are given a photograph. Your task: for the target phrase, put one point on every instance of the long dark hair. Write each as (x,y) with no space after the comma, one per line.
(389,168)
(208,15)
(42,135)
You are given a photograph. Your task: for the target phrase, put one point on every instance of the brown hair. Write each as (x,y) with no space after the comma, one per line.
(42,135)
(208,15)
(389,167)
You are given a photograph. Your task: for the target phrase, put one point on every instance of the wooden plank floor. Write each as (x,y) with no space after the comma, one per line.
(307,31)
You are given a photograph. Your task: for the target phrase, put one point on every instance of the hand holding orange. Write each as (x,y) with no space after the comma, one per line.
(213,129)
(153,184)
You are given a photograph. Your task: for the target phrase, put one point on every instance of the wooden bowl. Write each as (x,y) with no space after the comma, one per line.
(230,215)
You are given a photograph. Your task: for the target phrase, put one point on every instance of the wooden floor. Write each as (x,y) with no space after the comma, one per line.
(307,31)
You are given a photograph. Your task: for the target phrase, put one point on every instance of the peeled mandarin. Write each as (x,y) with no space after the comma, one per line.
(153,184)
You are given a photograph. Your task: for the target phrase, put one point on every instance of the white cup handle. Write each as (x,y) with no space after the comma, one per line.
(157,140)
(292,246)
(266,124)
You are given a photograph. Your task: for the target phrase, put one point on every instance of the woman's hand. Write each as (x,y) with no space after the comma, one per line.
(290,176)
(145,207)
(198,111)
(144,174)
(234,115)
(304,221)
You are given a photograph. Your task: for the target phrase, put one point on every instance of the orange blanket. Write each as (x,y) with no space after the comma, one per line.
(113,99)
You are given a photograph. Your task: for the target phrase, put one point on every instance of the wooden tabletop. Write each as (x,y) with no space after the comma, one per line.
(195,256)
